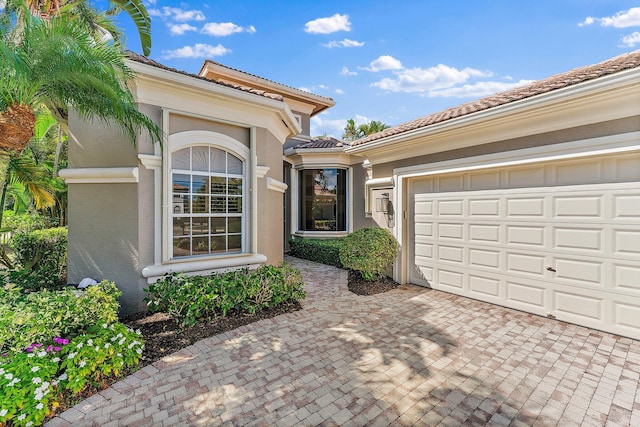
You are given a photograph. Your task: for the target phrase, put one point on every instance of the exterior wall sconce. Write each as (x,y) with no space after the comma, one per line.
(382,203)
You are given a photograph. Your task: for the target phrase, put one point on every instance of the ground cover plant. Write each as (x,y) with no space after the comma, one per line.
(59,344)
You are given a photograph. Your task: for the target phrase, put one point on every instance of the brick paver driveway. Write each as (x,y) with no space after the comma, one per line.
(412,356)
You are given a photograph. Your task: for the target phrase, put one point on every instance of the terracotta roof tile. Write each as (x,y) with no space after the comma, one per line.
(558,81)
(327,142)
(148,61)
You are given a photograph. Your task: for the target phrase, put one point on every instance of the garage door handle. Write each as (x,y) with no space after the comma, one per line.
(549,268)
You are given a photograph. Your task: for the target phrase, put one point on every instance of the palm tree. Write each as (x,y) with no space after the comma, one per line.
(351,132)
(374,126)
(57,65)
(98,23)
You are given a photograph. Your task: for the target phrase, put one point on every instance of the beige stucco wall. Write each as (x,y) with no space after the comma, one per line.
(181,123)
(574,134)
(104,218)
(270,202)
(360,219)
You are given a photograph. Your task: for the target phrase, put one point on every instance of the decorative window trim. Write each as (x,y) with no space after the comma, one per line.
(186,139)
(261,171)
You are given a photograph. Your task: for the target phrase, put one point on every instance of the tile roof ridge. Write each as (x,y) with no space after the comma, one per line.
(266,80)
(625,61)
(151,62)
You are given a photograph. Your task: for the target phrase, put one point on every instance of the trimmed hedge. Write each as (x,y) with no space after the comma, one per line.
(317,250)
(370,251)
(187,299)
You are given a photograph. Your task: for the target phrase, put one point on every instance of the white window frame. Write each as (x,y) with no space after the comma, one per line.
(186,139)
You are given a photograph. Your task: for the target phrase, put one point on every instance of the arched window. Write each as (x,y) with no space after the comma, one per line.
(208,185)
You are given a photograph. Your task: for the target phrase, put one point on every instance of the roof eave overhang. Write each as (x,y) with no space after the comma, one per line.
(320,103)
(603,99)
(178,80)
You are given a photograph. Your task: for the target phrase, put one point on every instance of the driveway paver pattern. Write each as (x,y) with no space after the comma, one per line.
(411,356)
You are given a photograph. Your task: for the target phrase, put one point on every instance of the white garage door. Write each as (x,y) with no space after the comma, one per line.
(559,239)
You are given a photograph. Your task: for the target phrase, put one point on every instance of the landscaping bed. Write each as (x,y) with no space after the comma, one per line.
(359,286)
(163,335)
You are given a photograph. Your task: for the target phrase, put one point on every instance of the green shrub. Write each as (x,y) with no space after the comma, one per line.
(370,251)
(41,258)
(27,222)
(191,298)
(317,250)
(26,318)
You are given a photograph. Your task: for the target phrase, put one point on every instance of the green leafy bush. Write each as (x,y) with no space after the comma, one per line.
(26,318)
(40,257)
(33,381)
(27,221)
(191,298)
(370,251)
(317,250)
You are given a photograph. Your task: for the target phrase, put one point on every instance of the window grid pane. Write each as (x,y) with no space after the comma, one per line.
(208,198)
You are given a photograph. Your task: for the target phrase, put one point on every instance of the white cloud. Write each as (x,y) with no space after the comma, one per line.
(632,39)
(384,62)
(419,80)
(475,90)
(328,25)
(346,72)
(622,19)
(221,29)
(343,43)
(340,91)
(199,50)
(177,14)
(180,29)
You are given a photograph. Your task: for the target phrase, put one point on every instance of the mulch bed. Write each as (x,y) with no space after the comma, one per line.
(359,286)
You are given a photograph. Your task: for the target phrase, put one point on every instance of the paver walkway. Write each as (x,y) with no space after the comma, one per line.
(412,356)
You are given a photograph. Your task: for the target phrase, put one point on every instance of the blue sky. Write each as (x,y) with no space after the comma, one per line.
(391,61)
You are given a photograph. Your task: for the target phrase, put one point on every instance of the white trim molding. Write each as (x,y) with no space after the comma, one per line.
(274,184)
(261,171)
(100,175)
(150,161)
(154,272)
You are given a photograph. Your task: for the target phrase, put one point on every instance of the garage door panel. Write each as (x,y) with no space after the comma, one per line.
(627,278)
(484,208)
(450,231)
(526,296)
(626,314)
(579,271)
(525,207)
(453,254)
(627,206)
(559,238)
(484,233)
(526,235)
(527,264)
(577,307)
(486,287)
(484,258)
(578,207)
(450,207)
(626,242)
(588,240)
(450,279)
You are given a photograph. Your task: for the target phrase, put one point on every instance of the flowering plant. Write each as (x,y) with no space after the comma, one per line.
(33,381)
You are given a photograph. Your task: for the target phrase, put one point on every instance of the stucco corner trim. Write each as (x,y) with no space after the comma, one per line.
(150,161)
(274,184)
(261,171)
(152,272)
(100,175)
